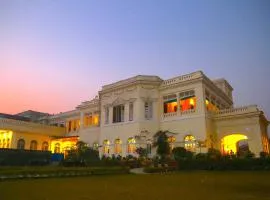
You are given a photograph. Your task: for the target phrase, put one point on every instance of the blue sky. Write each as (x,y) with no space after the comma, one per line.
(55,53)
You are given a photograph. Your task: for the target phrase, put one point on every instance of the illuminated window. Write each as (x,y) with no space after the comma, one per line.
(0,143)
(171,140)
(118,113)
(148,110)
(57,148)
(190,143)
(170,103)
(106,147)
(21,144)
(45,146)
(131,148)
(187,100)
(117,146)
(95,120)
(210,105)
(130,111)
(33,145)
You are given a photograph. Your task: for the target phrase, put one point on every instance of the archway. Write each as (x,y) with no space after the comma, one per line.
(131,148)
(106,147)
(190,142)
(117,146)
(231,144)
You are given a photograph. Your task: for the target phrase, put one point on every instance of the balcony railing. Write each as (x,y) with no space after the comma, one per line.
(183,78)
(235,111)
(179,114)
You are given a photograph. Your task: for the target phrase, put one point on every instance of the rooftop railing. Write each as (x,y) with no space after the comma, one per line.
(30,127)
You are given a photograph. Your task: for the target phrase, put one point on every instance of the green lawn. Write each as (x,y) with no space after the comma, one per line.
(183,185)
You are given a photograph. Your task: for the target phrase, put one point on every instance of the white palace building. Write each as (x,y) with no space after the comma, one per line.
(197,112)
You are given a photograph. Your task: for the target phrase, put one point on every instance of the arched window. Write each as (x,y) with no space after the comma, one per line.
(45,146)
(106,147)
(33,145)
(131,148)
(190,143)
(20,144)
(118,146)
(57,148)
(171,140)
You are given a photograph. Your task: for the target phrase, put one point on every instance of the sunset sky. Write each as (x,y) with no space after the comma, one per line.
(56,53)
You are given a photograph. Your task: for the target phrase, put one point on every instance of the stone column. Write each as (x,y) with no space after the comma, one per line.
(81,120)
(110,115)
(126,114)
(178,103)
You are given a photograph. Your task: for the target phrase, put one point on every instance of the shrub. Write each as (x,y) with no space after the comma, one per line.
(181,153)
(264,155)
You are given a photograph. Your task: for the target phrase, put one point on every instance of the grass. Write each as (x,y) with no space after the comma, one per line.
(5,171)
(184,185)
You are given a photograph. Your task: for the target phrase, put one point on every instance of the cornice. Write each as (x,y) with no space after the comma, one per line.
(217,90)
(147,80)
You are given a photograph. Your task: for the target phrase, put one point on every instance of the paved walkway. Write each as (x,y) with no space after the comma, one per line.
(137,171)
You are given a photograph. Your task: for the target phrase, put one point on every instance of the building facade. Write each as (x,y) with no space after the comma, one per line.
(197,112)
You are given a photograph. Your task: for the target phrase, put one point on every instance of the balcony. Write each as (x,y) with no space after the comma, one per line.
(178,114)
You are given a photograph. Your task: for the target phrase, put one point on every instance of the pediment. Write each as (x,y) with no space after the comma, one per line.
(118,101)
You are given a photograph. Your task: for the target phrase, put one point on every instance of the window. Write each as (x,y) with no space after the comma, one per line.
(131,148)
(118,113)
(20,144)
(187,100)
(106,147)
(171,140)
(33,145)
(148,110)
(107,112)
(88,119)
(130,111)
(190,143)
(170,106)
(57,148)
(210,105)
(45,146)
(117,146)
(0,143)
(170,103)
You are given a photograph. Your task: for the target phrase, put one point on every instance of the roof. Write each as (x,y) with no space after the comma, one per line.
(15,117)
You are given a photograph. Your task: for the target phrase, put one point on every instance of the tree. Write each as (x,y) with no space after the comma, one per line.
(162,144)
(142,152)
